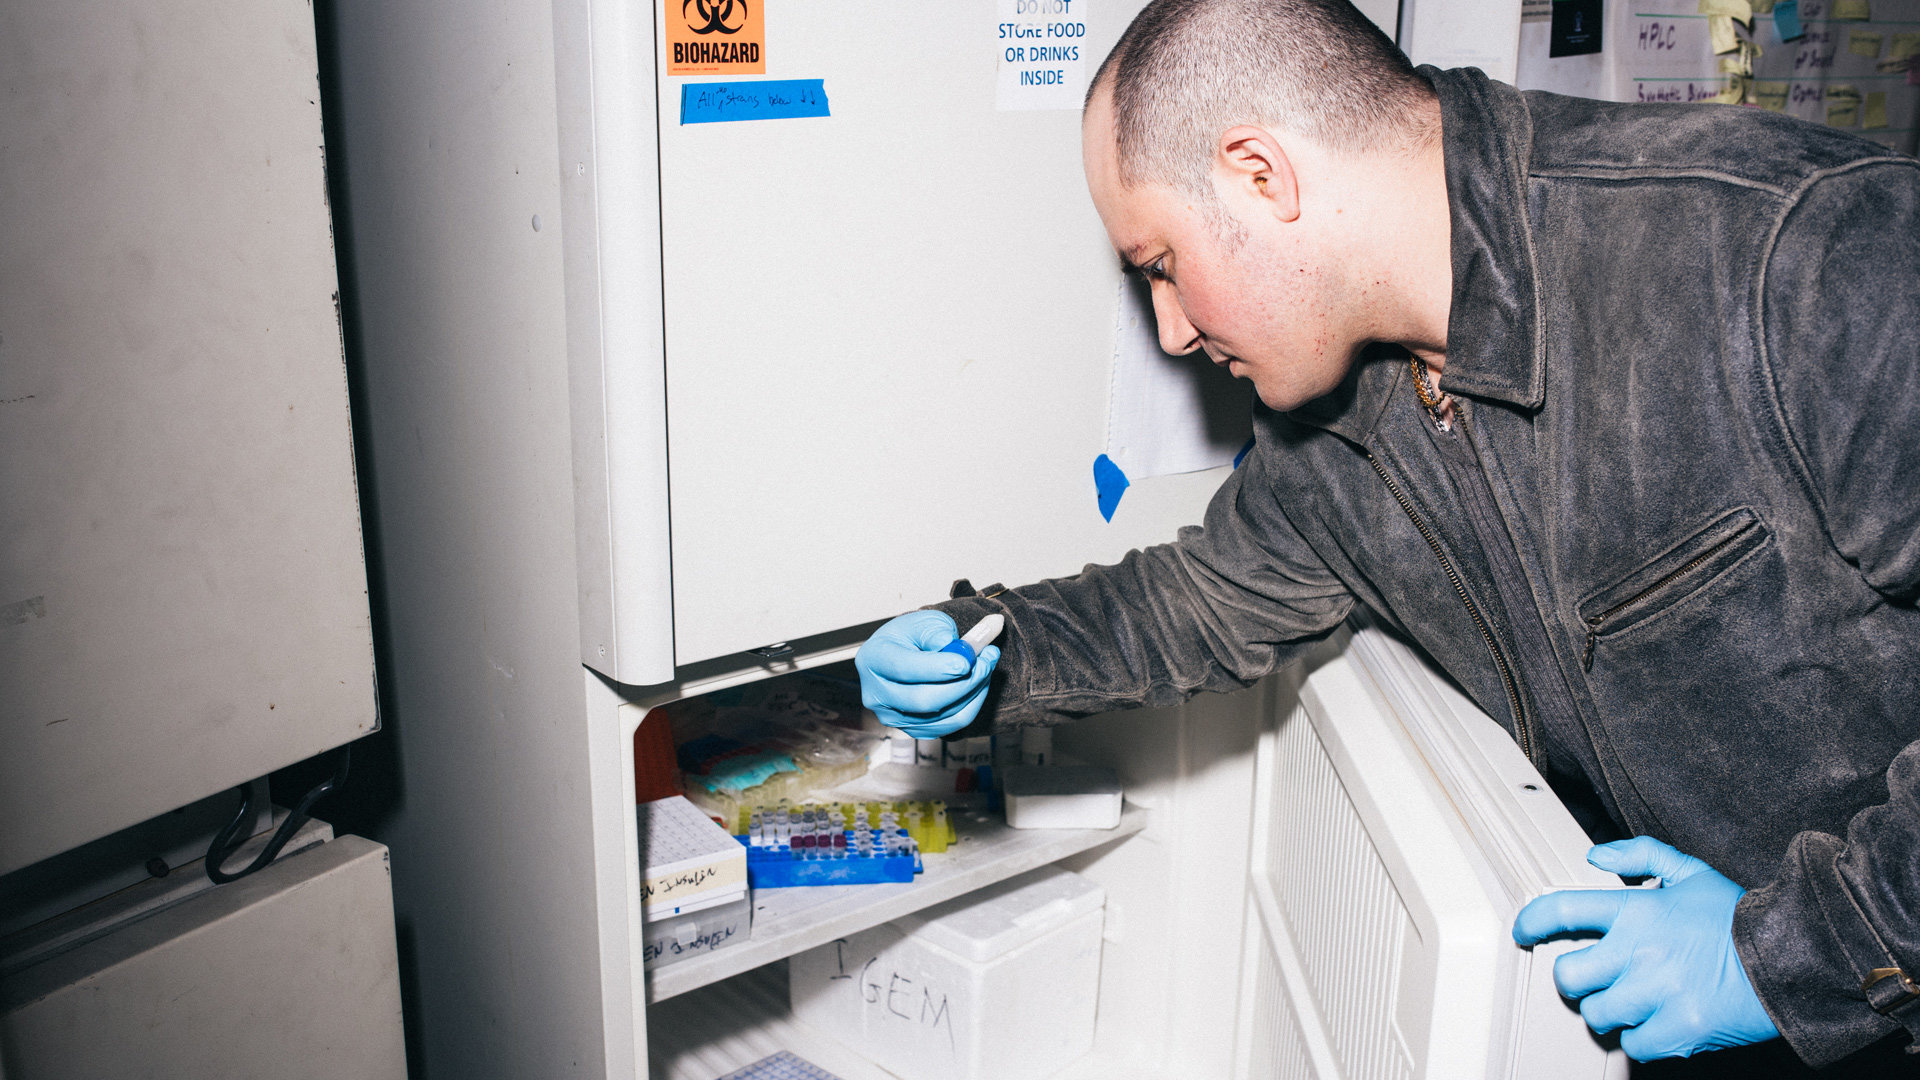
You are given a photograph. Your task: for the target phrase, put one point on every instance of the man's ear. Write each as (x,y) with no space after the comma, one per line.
(1249,162)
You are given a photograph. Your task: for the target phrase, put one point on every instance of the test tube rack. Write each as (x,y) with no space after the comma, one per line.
(840,843)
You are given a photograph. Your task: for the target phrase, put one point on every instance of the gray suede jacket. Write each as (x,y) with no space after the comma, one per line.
(1674,542)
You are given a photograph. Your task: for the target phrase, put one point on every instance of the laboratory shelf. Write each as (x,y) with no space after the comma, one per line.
(729,1025)
(787,921)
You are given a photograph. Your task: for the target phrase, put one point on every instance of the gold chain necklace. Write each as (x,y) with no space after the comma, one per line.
(1424,391)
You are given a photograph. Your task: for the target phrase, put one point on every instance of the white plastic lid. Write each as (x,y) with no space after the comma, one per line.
(990,921)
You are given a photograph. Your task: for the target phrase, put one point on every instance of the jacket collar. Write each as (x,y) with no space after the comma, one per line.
(1496,344)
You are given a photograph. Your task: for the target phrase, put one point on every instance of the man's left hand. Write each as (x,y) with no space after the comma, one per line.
(1666,969)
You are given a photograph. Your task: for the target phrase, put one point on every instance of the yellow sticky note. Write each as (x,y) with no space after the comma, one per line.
(1732,9)
(1905,47)
(1861,43)
(1771,96)
(1855,10)
(1843,107)
(1734,94)
(1720,32)
(1874,113)
(1762,7)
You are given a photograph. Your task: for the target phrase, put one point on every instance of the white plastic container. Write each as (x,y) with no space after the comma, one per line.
(1061,797)
(1000,983)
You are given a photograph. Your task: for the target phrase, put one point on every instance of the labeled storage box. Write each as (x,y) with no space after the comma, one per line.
(669,939)
(999,983)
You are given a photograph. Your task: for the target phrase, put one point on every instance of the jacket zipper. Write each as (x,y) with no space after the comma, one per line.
(1594,621)
(1473,611)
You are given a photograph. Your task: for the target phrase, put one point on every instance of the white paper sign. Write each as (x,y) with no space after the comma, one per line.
(1169,414)
(1042,46)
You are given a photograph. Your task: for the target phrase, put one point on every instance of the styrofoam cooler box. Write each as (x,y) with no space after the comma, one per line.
(998,983)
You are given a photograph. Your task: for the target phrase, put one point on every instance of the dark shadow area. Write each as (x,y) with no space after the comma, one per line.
(1776,1061)
(368,802)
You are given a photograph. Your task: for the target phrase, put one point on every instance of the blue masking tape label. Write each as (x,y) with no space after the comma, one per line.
(783,99)
(1786,19)
(1109,483)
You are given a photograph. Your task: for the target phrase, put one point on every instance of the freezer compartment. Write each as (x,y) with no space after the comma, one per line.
(1398,829)
(786,921)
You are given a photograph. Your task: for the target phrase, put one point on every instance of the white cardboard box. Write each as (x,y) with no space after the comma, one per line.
(1000,983)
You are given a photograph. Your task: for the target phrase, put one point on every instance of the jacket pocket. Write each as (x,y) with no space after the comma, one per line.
(1681,571)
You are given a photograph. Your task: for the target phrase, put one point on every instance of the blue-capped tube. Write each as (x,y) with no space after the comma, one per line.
(968,645)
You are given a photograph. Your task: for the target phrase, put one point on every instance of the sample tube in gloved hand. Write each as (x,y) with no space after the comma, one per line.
(920,675)
(968,645)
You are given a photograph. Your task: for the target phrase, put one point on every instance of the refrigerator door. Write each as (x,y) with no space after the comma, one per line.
(182,593)
(1397,831)
(287,974)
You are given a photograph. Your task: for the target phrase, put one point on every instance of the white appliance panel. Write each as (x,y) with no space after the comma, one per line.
(889,335)
(182,594)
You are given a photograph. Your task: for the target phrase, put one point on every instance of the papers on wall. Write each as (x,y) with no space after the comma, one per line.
(1169,414)
(1850,64)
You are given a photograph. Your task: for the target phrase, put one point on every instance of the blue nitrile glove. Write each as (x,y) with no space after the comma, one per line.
(910,684)
(1666,969)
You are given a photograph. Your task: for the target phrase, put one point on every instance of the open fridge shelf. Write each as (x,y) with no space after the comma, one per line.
(787,921)
(730,1025)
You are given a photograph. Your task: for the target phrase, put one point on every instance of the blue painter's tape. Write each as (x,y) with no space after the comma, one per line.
(782,99)
(1786,19)
(1244,451)
(1109,483)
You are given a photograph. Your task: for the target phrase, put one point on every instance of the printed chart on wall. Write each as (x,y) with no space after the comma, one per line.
(1850,64)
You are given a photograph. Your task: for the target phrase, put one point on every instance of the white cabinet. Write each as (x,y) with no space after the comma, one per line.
(882,344)
(183,602)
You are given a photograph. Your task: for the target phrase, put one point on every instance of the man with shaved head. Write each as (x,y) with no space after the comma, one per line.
(1612,408)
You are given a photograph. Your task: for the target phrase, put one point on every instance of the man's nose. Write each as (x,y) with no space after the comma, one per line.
(1177,336)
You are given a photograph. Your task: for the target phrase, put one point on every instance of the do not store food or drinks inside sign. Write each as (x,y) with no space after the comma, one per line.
(716,37)
(1042,53)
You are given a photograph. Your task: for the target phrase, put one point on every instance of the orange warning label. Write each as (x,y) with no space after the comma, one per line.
(715,37)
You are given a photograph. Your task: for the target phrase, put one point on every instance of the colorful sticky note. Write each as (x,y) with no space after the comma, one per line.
(1771,96)
(1720,33)
(1851,10)
(1843,106)
(1905,47)
(1733,9)
(1874,113)
(1762,7)
(1861,43)
(1109,483)
(781,99)
(1786,20)
(1734,94)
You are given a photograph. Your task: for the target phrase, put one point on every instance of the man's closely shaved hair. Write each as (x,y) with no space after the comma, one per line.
(1187,70)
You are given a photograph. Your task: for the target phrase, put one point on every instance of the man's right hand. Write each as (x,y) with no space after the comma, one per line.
(911,685)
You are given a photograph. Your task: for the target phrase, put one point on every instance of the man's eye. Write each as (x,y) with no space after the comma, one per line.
(1156,270)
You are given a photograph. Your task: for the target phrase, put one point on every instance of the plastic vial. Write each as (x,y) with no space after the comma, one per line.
(927,753)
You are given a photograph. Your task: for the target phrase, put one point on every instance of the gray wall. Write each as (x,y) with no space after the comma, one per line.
(456,330)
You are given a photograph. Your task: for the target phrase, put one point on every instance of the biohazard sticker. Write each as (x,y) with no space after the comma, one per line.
(716,37)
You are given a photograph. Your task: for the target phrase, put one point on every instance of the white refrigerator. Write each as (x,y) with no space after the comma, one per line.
(701,337)
(183,593)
